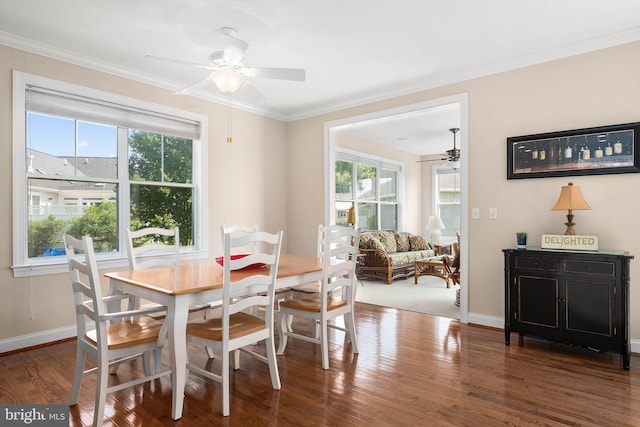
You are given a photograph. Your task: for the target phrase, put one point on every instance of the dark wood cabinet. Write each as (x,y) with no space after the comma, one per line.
(575,298)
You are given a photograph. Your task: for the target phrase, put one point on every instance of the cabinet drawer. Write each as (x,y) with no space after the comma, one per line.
(605,268)
(548,264)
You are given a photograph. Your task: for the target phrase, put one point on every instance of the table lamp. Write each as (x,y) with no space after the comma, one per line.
(570,199)
(434,225)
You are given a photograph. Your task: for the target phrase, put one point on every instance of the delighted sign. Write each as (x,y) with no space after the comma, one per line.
(568,242)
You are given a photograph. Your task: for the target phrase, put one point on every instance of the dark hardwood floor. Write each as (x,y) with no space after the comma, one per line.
(413,370)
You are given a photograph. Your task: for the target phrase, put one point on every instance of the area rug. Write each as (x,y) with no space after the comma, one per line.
(429,296)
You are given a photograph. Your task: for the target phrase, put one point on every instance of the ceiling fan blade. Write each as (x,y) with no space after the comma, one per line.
(234,48)
(432,160)
(180,62)
(296,74)
(187,90)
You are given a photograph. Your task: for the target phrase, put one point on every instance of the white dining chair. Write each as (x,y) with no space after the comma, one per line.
(238,230)
(153,247)
(111,338)
(236,328)
(336,297)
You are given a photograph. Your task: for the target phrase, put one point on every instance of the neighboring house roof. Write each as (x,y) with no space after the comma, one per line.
(52,167)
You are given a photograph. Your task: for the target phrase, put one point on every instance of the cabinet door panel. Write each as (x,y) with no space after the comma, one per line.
(537,301)
(589,307)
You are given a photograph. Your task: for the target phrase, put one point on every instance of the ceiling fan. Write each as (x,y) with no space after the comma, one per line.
(452,155)
(227,69)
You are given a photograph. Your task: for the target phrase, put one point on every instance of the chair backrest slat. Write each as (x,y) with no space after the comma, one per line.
(85,280)
(257,287)
(340,247)
(156,250)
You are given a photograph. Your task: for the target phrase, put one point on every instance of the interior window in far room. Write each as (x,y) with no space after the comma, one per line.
(371,187)
(447,199)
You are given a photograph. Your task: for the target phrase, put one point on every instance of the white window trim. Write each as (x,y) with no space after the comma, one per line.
(372,160)
(22,265)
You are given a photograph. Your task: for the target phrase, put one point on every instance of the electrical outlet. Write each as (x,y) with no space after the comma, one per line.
(475,213)
(493,213)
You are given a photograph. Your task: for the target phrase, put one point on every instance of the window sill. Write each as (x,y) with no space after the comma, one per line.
(58,264)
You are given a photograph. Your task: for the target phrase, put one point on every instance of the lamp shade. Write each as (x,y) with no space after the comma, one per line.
(571,199)
(435,223)
(228,80)
(351,218)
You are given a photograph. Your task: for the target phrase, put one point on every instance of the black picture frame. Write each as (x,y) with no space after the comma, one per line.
(589,151)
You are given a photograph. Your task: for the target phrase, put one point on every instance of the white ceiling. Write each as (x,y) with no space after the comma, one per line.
(353,51)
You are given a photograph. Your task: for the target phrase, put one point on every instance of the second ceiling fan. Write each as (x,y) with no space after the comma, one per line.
(452,155)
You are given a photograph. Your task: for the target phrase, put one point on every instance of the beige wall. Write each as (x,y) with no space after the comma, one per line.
(273,173)
(247,184)
(599,88)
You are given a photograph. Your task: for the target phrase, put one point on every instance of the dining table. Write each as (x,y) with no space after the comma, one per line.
(190,284)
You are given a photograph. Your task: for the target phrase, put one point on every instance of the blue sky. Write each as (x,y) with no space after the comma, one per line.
(56,136)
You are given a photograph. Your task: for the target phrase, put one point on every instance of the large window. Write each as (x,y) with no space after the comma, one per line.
(447,199)
(369,185)
(91,163)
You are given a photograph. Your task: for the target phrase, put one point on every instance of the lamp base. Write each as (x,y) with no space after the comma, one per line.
(434,237)
(569,224)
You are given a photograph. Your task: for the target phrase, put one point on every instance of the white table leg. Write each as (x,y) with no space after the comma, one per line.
(177,314)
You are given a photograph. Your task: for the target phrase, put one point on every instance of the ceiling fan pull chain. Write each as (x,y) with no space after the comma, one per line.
(229,137)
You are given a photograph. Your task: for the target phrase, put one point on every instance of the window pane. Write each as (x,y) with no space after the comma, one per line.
(387,186)
(145,156)
(54,150)
(450,215)
(389,217)
(448,199)
(368,216)
(342,212)
(178,160)
(78,208)
(51,135)
(367,189)
(97,150)
(344,181)
(159,158)
(164,207)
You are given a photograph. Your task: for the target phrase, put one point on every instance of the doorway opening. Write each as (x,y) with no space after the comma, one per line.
(332,131)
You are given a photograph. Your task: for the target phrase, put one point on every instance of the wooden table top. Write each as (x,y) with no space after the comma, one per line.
(202,276)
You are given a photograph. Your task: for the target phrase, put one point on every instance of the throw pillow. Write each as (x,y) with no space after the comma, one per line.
(418,243)
(369,241)
(388,240)
(402,241)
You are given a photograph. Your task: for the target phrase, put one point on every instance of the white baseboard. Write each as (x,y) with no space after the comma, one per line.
(483,320)
(24,341)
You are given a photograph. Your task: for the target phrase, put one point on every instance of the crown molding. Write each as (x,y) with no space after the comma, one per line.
(311,110)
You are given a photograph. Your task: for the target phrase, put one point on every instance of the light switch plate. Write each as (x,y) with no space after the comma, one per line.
(493,213)
(475,213)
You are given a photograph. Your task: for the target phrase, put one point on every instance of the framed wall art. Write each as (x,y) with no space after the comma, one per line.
(590,151)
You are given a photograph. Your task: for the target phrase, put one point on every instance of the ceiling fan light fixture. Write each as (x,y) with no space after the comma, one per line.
(228,81)
(455,164)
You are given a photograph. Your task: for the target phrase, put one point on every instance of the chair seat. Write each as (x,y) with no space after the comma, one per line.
(239,324)
(313,303)
(128,333)
(310,288)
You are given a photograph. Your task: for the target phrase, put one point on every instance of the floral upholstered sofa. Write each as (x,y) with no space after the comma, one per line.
(390,255)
